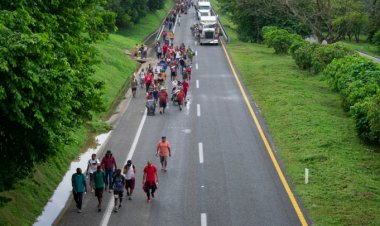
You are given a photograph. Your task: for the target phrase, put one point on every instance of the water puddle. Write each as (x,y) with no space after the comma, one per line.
(58,201)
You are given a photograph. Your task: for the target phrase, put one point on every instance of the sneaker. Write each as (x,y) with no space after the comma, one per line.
(153,195)
(130,198)
(115,210)
(160,112)
(99,209)
(79,211)
(148,200)
(119,206)
(110,191)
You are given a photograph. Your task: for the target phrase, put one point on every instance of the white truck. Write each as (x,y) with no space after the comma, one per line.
(203,8)
(208,30)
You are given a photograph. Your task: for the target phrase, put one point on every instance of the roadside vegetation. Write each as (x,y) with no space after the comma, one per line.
(22,204)
(363,46)
(310,128)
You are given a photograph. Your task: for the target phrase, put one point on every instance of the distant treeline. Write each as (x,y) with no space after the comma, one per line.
(47,87)
(325,19)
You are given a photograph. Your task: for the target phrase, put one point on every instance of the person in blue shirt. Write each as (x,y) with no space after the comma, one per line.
(78,181)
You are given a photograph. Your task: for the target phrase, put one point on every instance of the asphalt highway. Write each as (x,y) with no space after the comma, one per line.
(220,172)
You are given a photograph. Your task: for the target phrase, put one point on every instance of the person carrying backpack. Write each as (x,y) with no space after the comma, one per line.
(130,175)
(109,164)
(118,183)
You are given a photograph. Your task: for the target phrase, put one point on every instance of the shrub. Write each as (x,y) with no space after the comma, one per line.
(296,45)
(279,39)
(367,118)
(341,72)
(303,55)
(358,81)
(324,54)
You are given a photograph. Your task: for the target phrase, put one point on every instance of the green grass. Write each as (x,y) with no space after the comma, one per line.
(22,205)
(311,130)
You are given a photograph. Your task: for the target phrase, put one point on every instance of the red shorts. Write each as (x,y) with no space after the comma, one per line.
(130,184)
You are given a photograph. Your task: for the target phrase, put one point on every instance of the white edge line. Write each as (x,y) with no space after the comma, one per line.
(197,83)
(200,148)
(203,219)
(196,66)
(198,110)
(108,211)
(196,53)
(175,24)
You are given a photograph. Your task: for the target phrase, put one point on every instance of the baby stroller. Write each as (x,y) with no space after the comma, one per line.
(151,107)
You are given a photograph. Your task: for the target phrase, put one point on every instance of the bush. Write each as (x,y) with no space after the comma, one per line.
(303,55)
(367,118)
(358,81)
(296,45)
(324,54)
(279,39)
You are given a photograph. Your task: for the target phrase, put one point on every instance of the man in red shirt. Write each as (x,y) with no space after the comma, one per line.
(188,70)
(180,98)
(148,80)
(185,87)
(108,164)
(163,99)
(163,149)
(150,179)
(164,49)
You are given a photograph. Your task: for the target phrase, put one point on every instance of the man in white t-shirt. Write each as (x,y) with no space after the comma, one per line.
(92,166)
(129,174)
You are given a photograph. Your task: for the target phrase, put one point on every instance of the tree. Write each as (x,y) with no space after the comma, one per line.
(351,25)
(46,84)
(251,16)
(374,17)
(328,19)
(127,11)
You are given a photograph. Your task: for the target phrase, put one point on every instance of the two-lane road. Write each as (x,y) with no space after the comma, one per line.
(220,172)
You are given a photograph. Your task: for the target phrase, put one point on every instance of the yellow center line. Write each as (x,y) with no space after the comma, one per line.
(294,202)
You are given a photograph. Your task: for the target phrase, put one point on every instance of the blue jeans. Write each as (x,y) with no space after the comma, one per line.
(109,175)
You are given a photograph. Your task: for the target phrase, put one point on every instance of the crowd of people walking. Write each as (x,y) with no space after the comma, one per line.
(105,174)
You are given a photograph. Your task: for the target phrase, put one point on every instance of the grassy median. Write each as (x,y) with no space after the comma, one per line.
(310,130)
(22,205)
